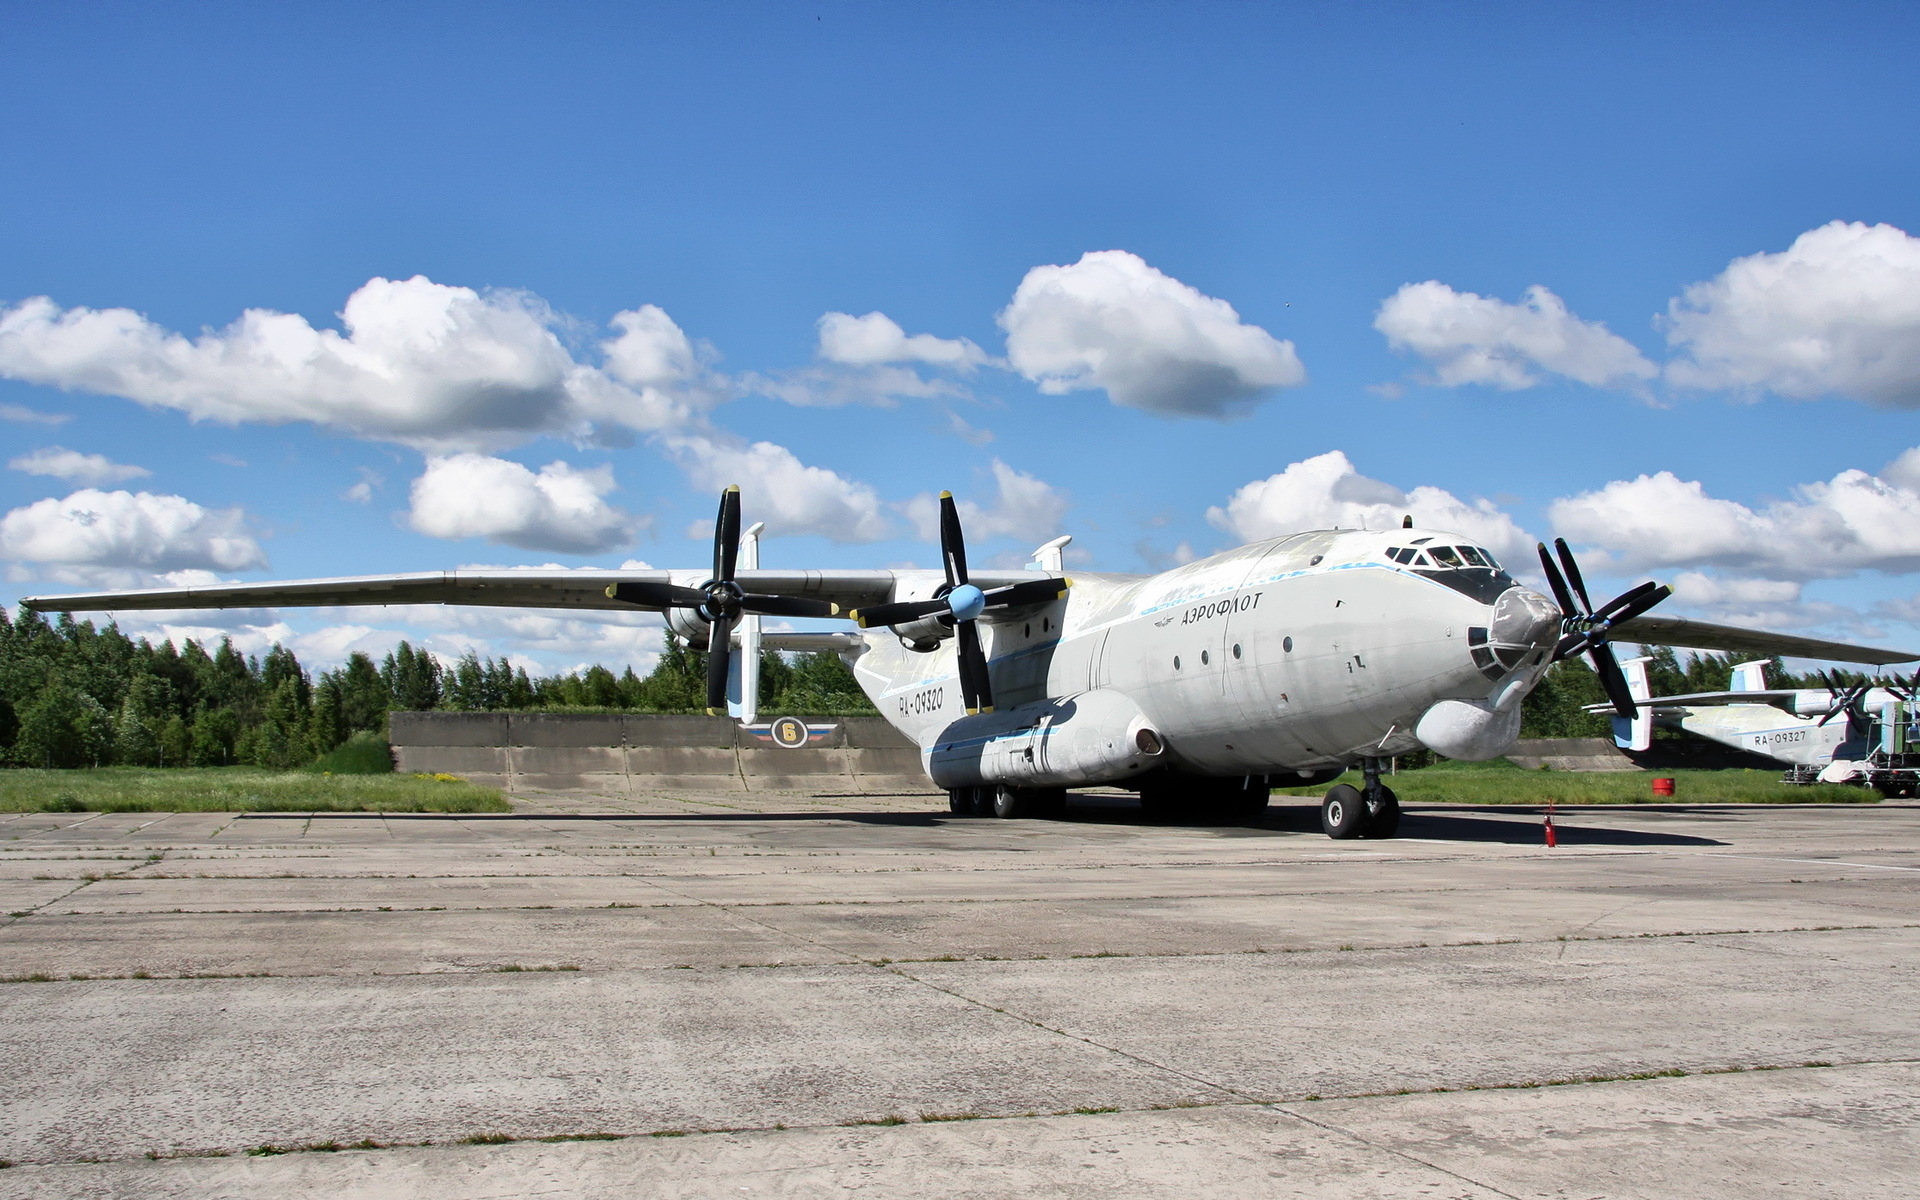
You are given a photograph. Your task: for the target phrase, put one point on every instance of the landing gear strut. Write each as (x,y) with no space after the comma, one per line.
(1368,811)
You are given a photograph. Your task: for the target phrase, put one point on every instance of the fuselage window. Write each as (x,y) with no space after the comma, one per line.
(1176,662)
(1204,658)
(1473,556)
(1444,555)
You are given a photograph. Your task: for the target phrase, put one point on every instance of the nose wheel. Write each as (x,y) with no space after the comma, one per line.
(1371,811)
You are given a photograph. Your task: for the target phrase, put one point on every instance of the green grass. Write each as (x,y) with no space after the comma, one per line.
(236,789)
(1501,782)
(361,754)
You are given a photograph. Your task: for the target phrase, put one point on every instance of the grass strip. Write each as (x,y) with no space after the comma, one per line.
(238,789)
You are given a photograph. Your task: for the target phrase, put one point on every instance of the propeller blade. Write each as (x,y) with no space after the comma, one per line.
(1570,645)
(788,606)
(975,688)
(1558,584)
(656,595)
(1632,596)
(953,547)
(1623,600)
(1613,680)
(1573,574)
(1843,702)
(719,652)
(895,614)
(726,533)
(1028,591)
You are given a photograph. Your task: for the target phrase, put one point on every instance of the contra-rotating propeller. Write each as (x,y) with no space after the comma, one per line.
(1850,698)
(720,601)
(959,604)
(1586,630)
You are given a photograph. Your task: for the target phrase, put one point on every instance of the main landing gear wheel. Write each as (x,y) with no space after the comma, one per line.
(1343,814)
(970,801)
(1017,802)
(1383,815)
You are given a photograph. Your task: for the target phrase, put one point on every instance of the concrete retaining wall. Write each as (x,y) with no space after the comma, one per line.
(1571,754)
(621,752)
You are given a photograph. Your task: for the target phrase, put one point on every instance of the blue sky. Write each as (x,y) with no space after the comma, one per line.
(525,174)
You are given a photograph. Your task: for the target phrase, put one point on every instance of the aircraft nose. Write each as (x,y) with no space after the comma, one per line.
(1522,617)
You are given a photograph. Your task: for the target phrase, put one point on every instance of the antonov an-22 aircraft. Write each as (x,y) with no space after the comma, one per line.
(1281,663)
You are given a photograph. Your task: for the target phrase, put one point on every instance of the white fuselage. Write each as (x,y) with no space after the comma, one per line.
(1295,654)
(1766,730)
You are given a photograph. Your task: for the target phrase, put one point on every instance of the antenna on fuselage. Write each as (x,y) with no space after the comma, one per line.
(1406,522)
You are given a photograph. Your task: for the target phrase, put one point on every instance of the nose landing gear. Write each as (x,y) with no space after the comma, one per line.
(1369,811)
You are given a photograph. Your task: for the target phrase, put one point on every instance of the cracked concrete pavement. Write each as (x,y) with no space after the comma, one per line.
(796,994)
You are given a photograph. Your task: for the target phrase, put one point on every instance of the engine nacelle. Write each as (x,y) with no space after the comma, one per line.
(923,635)
(1813,704)
(691,627)
(1095,737)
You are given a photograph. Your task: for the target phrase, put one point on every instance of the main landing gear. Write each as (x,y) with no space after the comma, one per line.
(1003,801)
(1368,811)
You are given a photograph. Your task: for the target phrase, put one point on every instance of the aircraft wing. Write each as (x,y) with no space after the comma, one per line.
(1773,696)
(498,589)
(1699,635)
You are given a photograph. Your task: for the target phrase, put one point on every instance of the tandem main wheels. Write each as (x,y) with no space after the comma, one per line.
(999,800)
(1368,811)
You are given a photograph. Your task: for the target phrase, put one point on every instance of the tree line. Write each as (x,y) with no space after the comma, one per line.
(72,695)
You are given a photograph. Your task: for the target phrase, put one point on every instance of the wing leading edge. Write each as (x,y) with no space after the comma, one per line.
(1700,635)
(497,589)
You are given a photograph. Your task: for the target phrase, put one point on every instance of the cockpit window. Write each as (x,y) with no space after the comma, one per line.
(1444,555)
(1473,556)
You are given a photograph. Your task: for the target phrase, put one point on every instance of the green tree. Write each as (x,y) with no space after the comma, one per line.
(215,736)
(412,678)
(64,727)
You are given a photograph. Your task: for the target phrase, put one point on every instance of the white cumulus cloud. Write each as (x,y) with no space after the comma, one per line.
(1469,338)
(75,467)
(418,362)
(22,415)
(558,508)
(1835,314)
(1326,492)
(876,338)
(1023,506)
(1855,521)
(1151,342)
(777,488)
(123,538)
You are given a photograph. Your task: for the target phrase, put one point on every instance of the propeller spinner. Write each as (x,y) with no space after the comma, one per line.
(720,601)
(959,604)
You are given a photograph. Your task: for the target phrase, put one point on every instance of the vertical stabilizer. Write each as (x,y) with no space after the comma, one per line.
(743,679)
(1750,677)
(1636,734)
